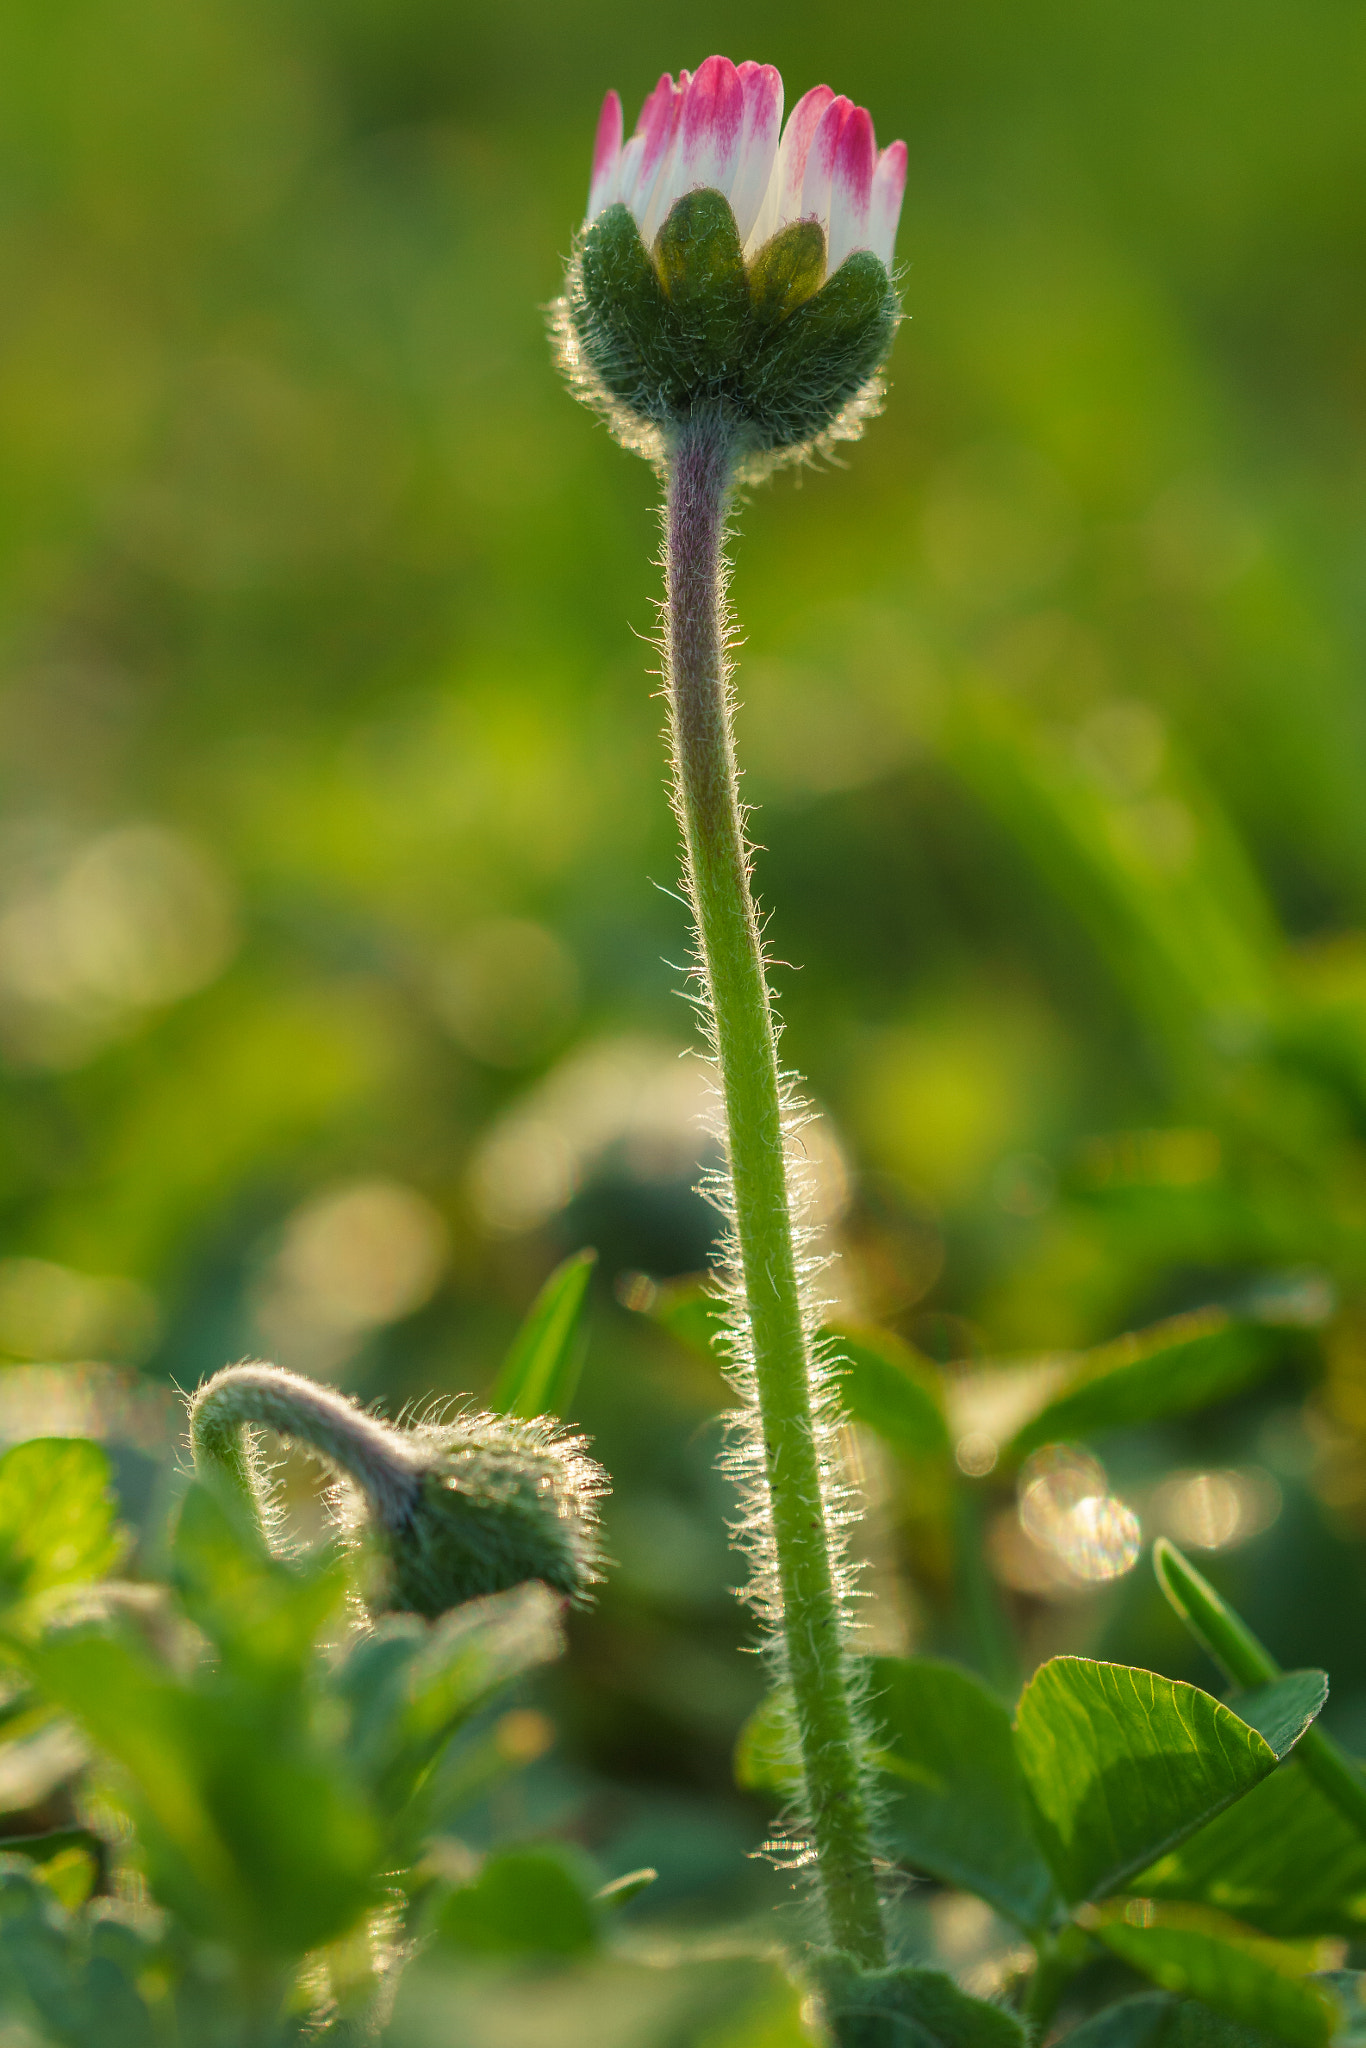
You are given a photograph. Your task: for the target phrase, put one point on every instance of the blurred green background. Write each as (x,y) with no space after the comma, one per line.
(335,863)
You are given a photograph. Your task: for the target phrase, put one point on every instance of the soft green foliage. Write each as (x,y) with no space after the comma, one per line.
(766,1754)
(1171,1369)
(1246,1977)
(693,1999)
(1105,1770)
(277,1791)
(1121,1765)
(57,1525)
(773,351)
(542,1368)
(251,1824)
(888,1389)
(1283,1859)
(407,1687)
(75,1974)
(523,1902)
(1157,2022)
(692,1311)
(953,1800)
(1348,1988)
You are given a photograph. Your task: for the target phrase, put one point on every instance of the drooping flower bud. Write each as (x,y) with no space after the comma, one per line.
(498,1500)
(728,267)
(452,1511)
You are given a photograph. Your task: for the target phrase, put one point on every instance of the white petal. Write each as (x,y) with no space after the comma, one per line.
(655,132)
(819,173)
(706,152)
(783,200)
(763,89)
(851,187)
(606,157)
(884,211)
(661,148)
(628,176)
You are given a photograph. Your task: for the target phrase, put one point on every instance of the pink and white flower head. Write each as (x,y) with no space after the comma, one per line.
(734,267)
(721,128)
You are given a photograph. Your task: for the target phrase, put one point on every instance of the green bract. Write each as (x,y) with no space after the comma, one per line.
(654,337)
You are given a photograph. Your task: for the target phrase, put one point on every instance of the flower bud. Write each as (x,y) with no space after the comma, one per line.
(451,1511)
(726,269)
(497,1501)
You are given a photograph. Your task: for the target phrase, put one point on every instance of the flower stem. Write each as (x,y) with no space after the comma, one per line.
(224,1411)
(717,865)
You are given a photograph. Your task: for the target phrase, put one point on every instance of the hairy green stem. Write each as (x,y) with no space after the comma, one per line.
(225,1411)
(717,864)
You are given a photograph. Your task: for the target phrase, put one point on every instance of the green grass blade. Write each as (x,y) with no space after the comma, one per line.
(541,1371)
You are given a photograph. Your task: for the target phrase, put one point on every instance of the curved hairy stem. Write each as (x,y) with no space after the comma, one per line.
(226,1411)
(799,1579)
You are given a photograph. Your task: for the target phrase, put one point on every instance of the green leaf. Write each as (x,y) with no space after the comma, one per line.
(1157,2021)
(77,1975)
(1281,1710)
(952,1800)
(1283,1859)
(526,1901)
(1212,1622)
(251,1827)
(1192,2025)
(1133,2023)
(541,1371)
(72,1873)
(256,1608)
(951,1797)
(1245,1976)
(1173,1368)
(1122,1765)
(767,1758)
(891,1390)
(42,1750)
(1231,1643)
(409,1686)
(906,2008)
(57,1523)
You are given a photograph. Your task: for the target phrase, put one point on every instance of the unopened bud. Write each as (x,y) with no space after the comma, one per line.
(497,1501)
(452,1511)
